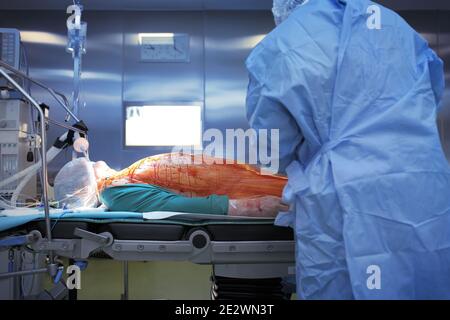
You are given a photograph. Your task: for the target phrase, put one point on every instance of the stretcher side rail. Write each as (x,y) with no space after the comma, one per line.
(221,252)
(197,249)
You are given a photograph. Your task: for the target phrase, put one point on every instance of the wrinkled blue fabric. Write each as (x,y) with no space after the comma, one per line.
(281,9)
(369,185)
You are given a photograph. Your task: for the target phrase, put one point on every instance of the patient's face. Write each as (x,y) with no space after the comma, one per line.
(102,170)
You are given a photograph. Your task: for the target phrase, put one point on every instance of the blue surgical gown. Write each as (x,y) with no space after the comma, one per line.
(369,185)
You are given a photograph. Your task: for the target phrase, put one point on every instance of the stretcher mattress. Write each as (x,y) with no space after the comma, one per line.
(167,231)
(133,226)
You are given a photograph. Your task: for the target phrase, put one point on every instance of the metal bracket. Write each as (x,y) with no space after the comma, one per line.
(102,238)
(152,246)
(21,240)
(55,245)
(92,241)
(253,246)
(75,248)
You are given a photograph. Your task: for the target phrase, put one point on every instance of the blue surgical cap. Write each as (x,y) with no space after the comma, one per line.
(282,9)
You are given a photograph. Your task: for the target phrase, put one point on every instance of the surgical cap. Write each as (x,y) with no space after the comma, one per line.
(283,8)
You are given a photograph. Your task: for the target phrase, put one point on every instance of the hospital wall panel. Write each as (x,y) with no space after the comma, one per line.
(229,39)
(161,82)
(216,75)
(44,37)
(112,73)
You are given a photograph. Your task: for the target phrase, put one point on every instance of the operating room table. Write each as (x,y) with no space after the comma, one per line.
(250,257)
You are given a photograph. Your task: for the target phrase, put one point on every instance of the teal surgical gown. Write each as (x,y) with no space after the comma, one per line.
(369,186)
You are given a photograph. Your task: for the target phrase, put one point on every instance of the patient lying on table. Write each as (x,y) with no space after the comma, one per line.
(177,182)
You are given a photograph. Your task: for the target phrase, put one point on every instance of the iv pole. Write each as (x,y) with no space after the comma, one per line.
(76,39)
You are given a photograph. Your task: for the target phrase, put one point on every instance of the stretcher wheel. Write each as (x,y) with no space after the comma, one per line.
(225,288)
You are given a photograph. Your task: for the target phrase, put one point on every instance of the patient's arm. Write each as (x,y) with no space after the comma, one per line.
(147,198)
(267,207)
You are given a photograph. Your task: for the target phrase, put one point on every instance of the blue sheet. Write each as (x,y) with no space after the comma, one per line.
(7,223)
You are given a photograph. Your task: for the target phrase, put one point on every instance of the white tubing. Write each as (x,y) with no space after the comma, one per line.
(20,174)
(51,154)
(34,168)
(4,205)
(19,189)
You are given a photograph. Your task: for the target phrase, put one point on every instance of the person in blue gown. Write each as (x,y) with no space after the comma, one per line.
(355,93)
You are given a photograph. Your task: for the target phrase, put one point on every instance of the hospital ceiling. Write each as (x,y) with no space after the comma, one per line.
(196,4)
